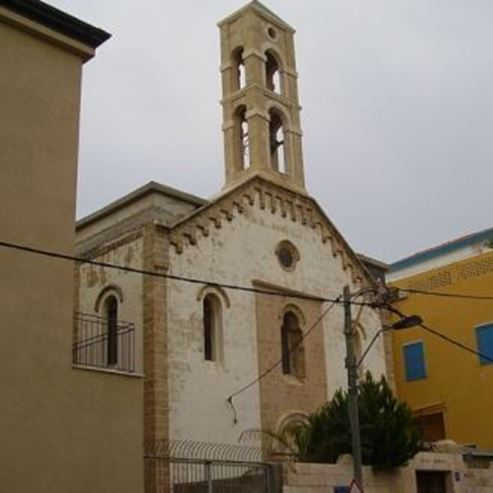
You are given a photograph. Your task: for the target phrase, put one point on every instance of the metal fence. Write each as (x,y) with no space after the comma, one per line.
(193,467)
(96,346)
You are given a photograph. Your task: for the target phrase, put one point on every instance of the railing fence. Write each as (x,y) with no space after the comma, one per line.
(192,467)
(96,346)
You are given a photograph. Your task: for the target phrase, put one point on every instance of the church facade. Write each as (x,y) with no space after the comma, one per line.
(219,361)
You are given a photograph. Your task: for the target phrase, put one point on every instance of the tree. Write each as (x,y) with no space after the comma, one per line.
(389,434)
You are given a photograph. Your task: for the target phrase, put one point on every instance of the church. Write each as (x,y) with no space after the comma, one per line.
(257,345)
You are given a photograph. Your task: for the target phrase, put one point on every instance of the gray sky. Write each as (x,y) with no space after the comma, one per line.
(397,110)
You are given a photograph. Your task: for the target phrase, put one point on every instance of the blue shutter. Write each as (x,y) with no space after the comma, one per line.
(484,335)
(414,361)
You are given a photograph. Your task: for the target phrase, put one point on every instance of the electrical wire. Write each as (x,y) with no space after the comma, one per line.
(441,335)
(202,282)
(447,295)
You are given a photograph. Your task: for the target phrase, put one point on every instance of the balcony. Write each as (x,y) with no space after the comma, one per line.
(101,343)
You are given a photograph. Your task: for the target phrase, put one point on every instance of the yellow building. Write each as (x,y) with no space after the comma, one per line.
(449,388)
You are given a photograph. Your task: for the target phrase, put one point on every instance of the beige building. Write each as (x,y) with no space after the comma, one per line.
(198,344)
(60,425)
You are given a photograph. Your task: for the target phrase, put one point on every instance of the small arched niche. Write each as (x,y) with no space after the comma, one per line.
(292,347)
(277,141)
(239,70)
(242,136)
(273,79)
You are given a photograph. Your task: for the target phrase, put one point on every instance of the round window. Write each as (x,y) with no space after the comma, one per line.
(287,254)
(285,257)
(272,33)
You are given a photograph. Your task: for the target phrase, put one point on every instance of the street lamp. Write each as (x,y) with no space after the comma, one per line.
(402,324)
(352,372)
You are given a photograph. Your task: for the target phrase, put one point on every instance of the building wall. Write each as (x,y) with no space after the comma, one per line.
(319,478)
(60,427)
(456,382)
(242,251)
(95,281)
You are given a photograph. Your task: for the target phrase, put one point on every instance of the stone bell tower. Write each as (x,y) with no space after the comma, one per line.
(261,112)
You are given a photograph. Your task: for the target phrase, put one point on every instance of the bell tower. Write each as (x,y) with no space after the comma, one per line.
(261,112)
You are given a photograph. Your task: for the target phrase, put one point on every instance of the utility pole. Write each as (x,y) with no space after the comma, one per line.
(352,373)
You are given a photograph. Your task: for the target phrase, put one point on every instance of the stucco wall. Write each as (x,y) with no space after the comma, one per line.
(456,383)
(94,280)
(240,252)
(61,430)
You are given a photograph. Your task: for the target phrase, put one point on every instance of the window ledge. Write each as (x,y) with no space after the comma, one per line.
(111,371)
(292,380)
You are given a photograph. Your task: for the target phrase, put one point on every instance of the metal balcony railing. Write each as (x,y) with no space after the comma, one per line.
(103,343)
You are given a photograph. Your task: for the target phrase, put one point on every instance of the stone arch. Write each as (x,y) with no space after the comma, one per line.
(217,290)
(284,445)
(291,307)
(111,289)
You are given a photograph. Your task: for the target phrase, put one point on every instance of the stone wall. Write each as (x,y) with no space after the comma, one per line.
(324,478)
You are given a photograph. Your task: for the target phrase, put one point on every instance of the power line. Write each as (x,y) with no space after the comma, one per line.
(441,335)
(447,295)
(191,280)
(277,363)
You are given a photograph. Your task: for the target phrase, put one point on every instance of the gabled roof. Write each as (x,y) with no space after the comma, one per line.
(284,201)
(57,20)
(443,249)
(261,9)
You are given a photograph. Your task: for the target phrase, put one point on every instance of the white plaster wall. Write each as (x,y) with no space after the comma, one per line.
(239,252)
(94,279)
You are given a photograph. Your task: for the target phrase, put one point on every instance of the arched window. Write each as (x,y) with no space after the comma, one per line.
(277,142)
(293,357)
(243,138)
(212,320)
(111,315)
(239,73)
(272,73)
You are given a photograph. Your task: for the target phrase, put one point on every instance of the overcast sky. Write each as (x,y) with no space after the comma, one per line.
(397,110)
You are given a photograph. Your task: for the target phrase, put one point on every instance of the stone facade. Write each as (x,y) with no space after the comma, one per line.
(456,473)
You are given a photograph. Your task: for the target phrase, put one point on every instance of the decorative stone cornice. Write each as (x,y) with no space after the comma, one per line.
(258,192)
